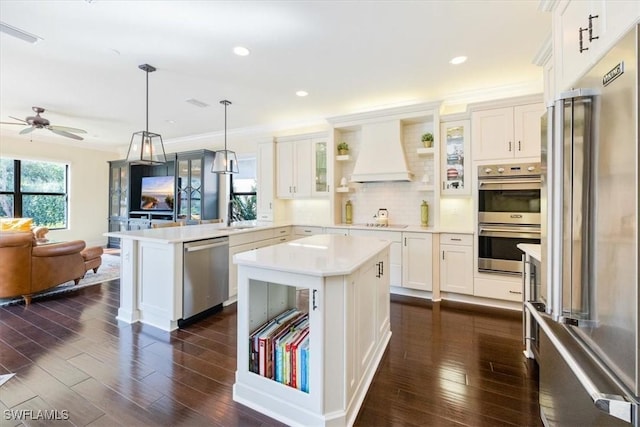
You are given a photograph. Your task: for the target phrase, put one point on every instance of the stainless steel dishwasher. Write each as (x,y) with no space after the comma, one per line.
(205,278)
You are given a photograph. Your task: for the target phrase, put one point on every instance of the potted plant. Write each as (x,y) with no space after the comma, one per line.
(343,148)
(427,139)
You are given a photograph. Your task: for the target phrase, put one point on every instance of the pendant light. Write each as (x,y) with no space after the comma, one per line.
(225,161)
(146,147)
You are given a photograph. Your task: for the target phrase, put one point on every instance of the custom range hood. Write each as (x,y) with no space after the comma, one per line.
(381,157)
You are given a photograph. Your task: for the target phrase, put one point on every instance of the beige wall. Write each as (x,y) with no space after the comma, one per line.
(88,183)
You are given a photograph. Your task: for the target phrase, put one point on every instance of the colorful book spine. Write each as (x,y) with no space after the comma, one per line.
(304,362)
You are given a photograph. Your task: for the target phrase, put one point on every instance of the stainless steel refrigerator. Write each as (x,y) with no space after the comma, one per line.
(587,322)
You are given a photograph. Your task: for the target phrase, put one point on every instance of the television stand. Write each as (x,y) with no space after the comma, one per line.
(151,215)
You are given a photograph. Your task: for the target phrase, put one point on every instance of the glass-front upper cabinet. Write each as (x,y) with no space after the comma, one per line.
(456,157)
(320,172)
(189,188)
(118,189)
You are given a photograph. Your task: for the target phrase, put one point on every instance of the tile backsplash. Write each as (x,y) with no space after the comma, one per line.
(401,199)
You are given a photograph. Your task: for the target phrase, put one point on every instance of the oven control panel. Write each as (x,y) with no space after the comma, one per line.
(511,170)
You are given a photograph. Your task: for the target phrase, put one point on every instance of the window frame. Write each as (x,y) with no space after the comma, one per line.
(18,194)
(234,194)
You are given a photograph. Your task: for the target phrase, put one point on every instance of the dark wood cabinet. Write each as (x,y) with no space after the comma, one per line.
(196,192)
(196,186)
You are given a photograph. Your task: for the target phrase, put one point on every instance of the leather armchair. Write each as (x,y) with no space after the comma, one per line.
(27,268)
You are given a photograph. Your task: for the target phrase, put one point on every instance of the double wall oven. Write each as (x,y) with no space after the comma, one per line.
(508,214)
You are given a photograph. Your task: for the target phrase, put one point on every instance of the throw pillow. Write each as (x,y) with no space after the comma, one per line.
(16,224)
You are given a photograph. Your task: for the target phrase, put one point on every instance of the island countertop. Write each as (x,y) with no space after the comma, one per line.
(532,249)
(320,255)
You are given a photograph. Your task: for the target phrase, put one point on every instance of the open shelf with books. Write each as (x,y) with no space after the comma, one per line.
(309,339)
(279,349)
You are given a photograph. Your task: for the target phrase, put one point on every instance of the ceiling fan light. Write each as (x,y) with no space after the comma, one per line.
(146,148)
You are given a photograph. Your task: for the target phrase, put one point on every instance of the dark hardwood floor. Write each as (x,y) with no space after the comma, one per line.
(447,364)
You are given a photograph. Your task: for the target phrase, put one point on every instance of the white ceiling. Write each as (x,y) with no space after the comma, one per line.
(351,56)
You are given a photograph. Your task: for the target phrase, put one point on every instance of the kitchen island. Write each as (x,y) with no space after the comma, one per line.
(342,282)
(152,269)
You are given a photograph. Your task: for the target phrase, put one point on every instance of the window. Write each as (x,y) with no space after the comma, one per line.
(32,189)
(243,191)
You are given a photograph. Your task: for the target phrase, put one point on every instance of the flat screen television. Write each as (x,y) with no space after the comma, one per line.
(157,193)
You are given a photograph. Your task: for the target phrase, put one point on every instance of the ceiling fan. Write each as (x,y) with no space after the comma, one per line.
(39,122)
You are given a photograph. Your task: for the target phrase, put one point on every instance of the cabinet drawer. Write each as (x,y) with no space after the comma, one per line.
(456,239)
(249,237)
(281,231)
(498,289)
(306,231)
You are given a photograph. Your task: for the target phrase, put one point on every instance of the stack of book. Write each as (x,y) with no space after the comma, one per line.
(279,349)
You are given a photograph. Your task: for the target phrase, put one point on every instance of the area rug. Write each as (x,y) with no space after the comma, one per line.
(109,270)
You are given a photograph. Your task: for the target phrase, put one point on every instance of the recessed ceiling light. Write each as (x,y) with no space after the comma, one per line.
(302,93)
(241,51)
(458,60)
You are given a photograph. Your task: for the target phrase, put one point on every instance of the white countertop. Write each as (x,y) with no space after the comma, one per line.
(531,249)
(320,255)
(189,233)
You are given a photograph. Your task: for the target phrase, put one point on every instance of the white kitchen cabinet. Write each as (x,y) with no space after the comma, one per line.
(608,21)
(303,167)
(349,329)
(250,241)
(320,186)
(507,133)
(456,157)
(395,261)
(456,263)
(266,181)
(417,261)
(508,290)
(336,230)
(304,231)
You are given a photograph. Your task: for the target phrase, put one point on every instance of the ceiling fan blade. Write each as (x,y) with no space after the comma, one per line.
(66,129)
(64,133)
(27,130)
(20,120)
(10,123)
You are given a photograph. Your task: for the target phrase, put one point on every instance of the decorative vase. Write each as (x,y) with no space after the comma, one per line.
(348,214)
(343,152)
(424,213)
(428,144)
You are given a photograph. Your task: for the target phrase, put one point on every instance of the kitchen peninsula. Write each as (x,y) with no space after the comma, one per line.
(346,281)
(152,268)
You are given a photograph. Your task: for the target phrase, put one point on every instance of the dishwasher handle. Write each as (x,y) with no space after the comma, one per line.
(204,247)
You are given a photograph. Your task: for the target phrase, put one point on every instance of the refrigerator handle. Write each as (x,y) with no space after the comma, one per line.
(614,405)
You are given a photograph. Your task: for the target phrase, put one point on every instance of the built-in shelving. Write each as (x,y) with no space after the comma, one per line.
(343,158)
(344,189)
(426,187)
(423,151)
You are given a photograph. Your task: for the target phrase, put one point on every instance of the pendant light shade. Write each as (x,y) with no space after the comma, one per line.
(225,161)
(146,147)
